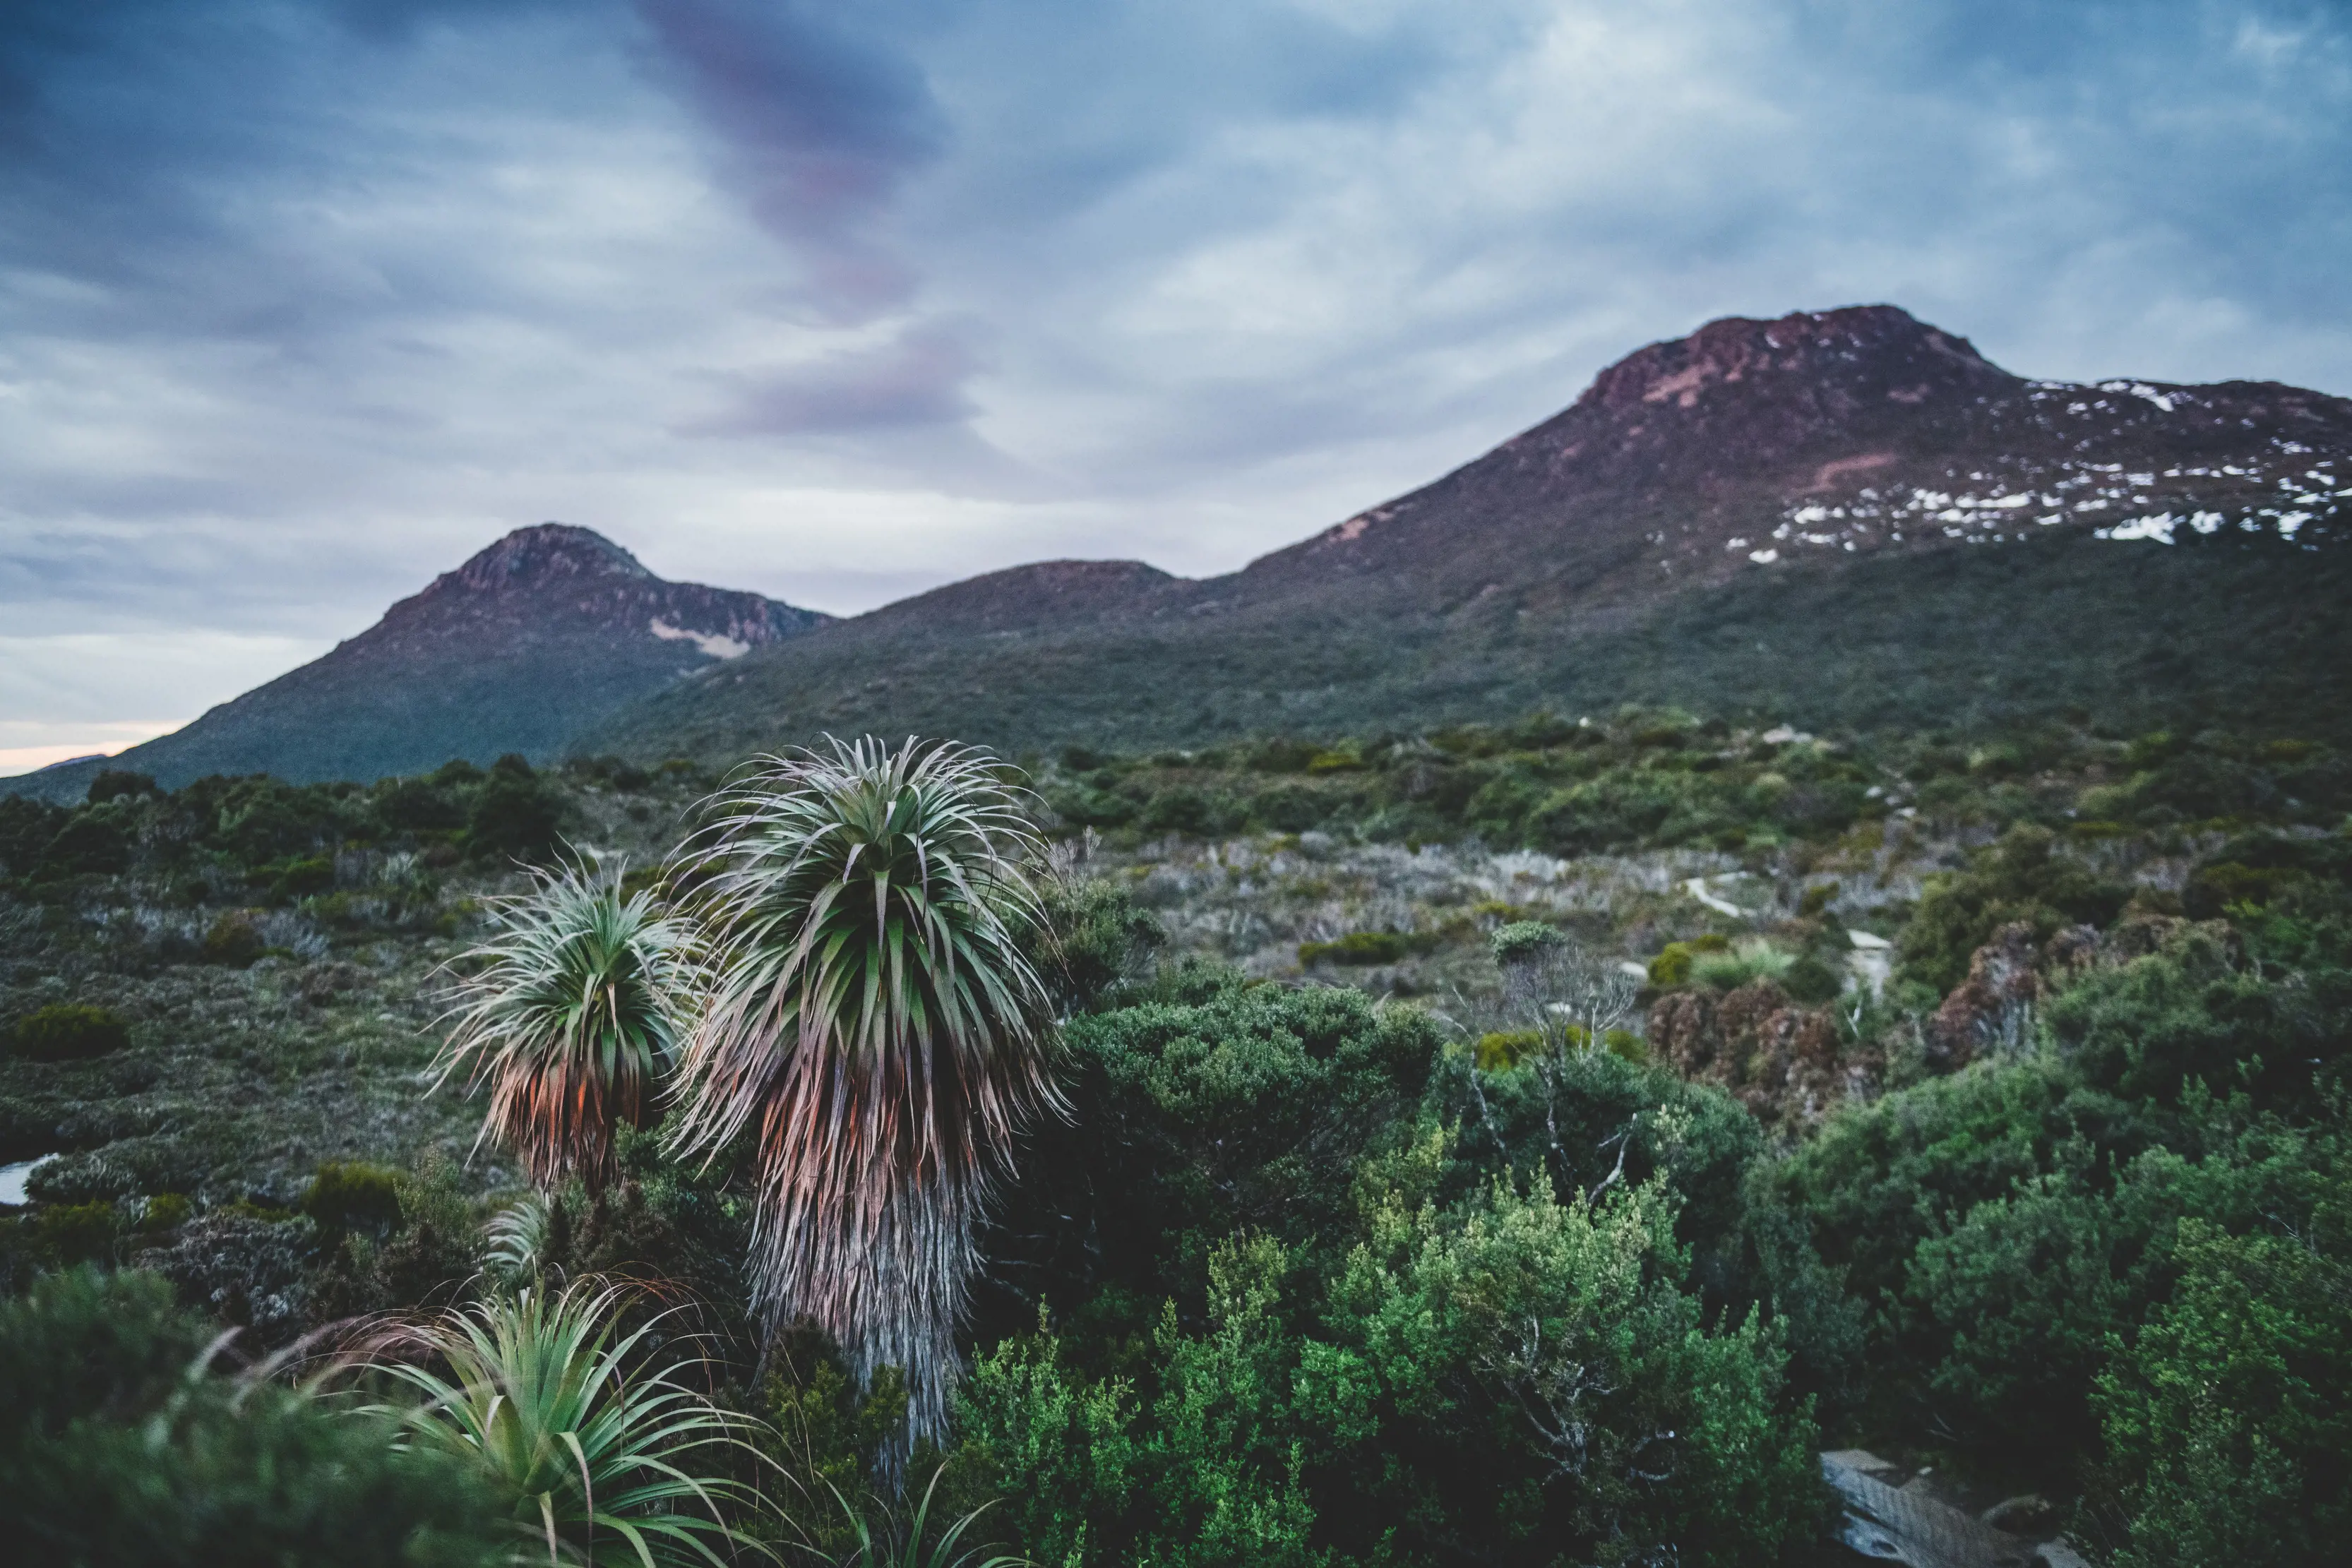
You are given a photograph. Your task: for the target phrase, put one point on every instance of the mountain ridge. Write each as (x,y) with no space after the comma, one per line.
(1860,441)
(531,638)
(1855,466)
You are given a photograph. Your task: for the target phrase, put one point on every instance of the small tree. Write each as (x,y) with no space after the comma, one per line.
(876,1025)
(576,1013)
(1567,993)
(1564,999)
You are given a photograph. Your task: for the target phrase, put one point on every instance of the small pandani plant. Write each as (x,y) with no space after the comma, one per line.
(875,1023)
(589,1451)
(573,1018)
(897,1539)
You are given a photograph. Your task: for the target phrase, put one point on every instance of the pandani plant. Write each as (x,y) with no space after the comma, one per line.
(597,1456)
(897,1539)
(875,1025)
(572,1013)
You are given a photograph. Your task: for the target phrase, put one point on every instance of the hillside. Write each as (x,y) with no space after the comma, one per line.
(1846,518)
(542,633)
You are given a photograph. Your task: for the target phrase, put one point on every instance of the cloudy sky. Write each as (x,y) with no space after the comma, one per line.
(302,301)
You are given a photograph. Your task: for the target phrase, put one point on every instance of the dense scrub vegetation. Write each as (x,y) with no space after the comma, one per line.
(1664,779)
(123,1440)
(1524,1144)
(275,842)
(1985,641)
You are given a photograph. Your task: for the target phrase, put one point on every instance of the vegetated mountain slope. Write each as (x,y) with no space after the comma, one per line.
(546,630)
(1845,517)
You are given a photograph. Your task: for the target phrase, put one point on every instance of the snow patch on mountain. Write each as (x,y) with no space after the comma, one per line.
(717,644)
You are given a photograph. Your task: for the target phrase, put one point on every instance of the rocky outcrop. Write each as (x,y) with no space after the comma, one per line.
(1780,1059)
(1991,1012)
(556,582)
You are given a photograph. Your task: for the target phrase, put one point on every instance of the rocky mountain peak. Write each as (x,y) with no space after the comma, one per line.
(516,650)
(545,555)
(1863,352)
(555,581)
(1751,444)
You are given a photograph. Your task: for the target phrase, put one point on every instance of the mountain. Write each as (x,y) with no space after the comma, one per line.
(1841,518)
(545,631)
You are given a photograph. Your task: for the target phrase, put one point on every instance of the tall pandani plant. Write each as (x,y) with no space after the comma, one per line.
(571,1013)
(874,1023)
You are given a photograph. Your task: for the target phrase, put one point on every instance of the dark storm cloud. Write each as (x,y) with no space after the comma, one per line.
(303,300)
(180,168)
(821,126)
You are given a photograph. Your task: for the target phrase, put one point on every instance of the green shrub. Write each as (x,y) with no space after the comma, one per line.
(2213,889)
(166,1211)
(419,804)
(235,939)
(112,783)
(2229,1421)
(1672,967)
(1408,1417)
(1573,1119)
(1810,980)
(1627,807)
(823,1434)
(1214,1104)
(1523,939)
(2025,1300)
(92,841)
(2191,1011)
(1750,960)
(1280,755)
(347,1196)
(1084,806)
(69,1031)
(1432,1295)
(2199,786)
(1499,1050)
(1095,938)
(25,828)
(1286,809)
(2023,877)
(300,878)
(259,819)
(1879,1178)
(616,771)
(428,1248)
(1627,1046)
(1179,809)
(2000,760)
(516,816)
(78,1232)
(116,1447)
